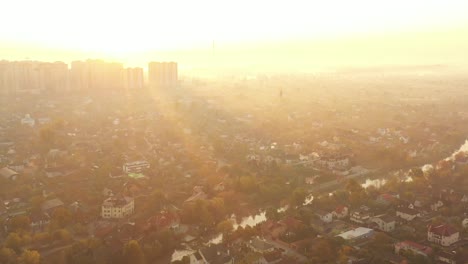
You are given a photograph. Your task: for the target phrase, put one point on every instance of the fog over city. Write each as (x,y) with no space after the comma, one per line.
(198,132)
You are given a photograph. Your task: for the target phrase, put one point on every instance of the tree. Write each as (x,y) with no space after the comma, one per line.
(62,235)
(416,172)
(61,217)
(246,183)
(225,227)
(132,253)
(152,251)
(20,222)
(381,242)
(14,242)
(271,213)
(298,196)
(30,257)
(7,255)
(352,186)
(47,136)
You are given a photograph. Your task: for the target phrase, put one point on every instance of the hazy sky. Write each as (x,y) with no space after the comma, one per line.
(326,30)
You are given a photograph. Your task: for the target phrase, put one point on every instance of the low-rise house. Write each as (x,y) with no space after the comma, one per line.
(51,205)
(117,207)
(260,245)
(163,220)
(385,223)
(414,247)
(340,212)
(446,257)
(464,199)
(58,171)
(213,254)
(8,173)
(39,220)
(135,166)
(219,187)
(465,223)
(326,217)
(407,214)
(436,205)
(360,217)
(357,233)
(444,235)
(198,194)
(387,199)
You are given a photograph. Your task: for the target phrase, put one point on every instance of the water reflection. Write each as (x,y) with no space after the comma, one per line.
(377,183)
(179,254)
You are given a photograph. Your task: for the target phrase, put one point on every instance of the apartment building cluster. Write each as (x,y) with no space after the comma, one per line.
(92,75)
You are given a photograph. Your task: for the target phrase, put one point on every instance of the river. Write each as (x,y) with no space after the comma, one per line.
(260,217)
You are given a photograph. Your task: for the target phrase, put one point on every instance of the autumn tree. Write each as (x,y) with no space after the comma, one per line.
(225,227)
(133,254)
(298,197)
(14,241)
(7,255)
(21,222)
(29,257)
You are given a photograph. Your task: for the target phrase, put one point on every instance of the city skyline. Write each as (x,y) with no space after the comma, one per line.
(40,76)
(249,35)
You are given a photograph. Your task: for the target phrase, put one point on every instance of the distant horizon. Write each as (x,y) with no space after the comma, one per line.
(250,35)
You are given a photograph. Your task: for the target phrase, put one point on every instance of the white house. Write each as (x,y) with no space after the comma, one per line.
(407,214)
(326,217)
(465,223)
(436,205)
(360,217)
(444,235)
(28,120)
(117,207)
(357,233)
(136,166)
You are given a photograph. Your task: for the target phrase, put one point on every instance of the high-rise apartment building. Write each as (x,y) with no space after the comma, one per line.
(162,74)
(133,78)
(32,76)
(96,75)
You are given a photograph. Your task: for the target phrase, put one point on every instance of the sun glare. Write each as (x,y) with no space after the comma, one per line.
(124,27)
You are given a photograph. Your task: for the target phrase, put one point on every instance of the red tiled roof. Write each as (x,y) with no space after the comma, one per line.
(442,230)
(415,246)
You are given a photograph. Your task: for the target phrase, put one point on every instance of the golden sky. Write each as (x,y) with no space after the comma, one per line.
(181,29)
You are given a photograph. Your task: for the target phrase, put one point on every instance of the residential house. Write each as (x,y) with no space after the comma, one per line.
(198,194)
(340,212)
(360,216)
(39,220)
(135,166)
(387,199)
(446,257)
(436,205)
(385,223)
(163,220)
(326,217)
(117,207)
(8,173)
(414,247)
(357,234)
(213,254)
(465,223)
(51,205)
(407,214)
(260,245)
(444,235)
(58,171)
